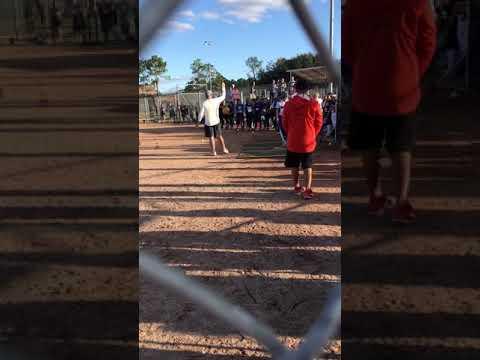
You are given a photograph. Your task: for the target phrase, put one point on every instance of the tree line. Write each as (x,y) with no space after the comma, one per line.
(150,70)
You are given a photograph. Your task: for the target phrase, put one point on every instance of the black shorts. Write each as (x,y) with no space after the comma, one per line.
(371,132)
(240,118)
(294,160)
(214,131)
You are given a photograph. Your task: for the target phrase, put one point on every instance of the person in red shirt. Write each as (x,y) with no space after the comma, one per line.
(388,45)
(302,121)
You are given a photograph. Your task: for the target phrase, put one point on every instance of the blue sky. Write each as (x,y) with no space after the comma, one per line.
(236,30)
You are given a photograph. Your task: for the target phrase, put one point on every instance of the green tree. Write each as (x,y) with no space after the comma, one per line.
(279,69)
(150,70)
(255,66)
(203,75)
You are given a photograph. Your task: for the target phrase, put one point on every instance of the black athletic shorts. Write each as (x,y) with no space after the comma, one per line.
(214,131)
(371,132)
(294,160)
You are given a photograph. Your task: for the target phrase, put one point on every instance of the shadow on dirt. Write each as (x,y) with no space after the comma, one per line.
(444,181)
(281,276)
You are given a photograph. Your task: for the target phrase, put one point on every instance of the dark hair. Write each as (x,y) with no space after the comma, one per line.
(302,85)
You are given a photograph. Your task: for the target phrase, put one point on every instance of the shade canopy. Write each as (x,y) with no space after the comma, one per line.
(315,75)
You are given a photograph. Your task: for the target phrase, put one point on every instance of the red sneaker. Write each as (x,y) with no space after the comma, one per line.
(376,205)
(308,194)
(298,190)
(403,213)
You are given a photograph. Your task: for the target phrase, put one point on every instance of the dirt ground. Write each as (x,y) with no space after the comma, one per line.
(232,223)
(68,202)
(411,292)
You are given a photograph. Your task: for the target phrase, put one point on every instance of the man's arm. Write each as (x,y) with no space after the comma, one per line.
(427,37)
(202,113)
(221,98)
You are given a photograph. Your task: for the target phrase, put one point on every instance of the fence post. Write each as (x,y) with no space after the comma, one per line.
(147,109)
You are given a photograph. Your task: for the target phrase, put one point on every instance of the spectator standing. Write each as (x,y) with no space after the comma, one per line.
(274,89)
(390,54)
(249,112)
(302,123)
(239,115)
(235,94)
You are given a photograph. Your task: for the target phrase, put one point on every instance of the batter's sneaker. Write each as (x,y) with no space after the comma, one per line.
(376,205)
(308,194)
(403,213)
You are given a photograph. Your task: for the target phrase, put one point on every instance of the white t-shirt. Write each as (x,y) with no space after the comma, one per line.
(210,110)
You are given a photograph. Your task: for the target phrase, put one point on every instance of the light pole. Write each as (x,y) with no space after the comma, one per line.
(331,35)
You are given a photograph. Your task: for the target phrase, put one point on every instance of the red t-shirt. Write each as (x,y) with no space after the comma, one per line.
(389,45)
(302,121)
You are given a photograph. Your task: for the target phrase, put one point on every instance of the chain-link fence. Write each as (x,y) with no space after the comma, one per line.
(179,107)
(154,15)
(184,107)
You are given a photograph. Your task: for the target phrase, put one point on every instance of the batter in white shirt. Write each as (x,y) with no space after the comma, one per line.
(210,110)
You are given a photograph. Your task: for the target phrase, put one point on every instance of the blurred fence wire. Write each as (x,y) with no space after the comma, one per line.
(154,15)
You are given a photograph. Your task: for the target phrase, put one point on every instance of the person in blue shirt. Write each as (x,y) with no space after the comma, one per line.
(249,112)
(265,115)
(258,115)
(240,115)
(272,112)
(231,117)
(275,109)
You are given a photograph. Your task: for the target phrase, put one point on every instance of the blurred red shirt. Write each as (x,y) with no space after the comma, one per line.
(302,121)
(389,45)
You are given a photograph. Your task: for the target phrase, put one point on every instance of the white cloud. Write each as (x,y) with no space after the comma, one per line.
(210,15)
(228,21)
(180,26)
(187,13)
(252,10)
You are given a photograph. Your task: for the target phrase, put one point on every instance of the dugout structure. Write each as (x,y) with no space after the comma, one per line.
(318,76)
